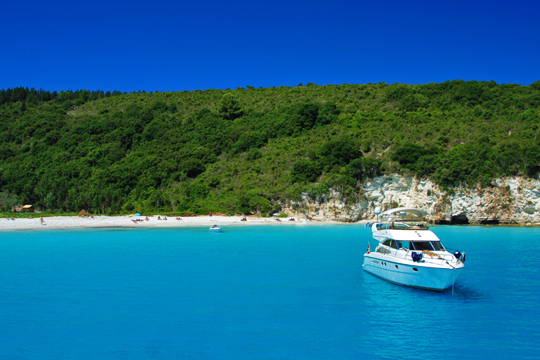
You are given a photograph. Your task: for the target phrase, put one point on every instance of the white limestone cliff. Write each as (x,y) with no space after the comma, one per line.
(512,200)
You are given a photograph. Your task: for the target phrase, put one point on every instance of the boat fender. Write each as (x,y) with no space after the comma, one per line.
(457,254)
(416,257)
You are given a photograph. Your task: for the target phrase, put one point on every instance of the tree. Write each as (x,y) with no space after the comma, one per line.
(193,167)
(535,85)
(408,154)
(362,168)
(305,171)
(7,200)
(229,108)
(338,152)
(327,113)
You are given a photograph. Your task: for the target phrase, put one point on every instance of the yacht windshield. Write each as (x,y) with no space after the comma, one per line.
(420,245)
(426,245)
(438,245)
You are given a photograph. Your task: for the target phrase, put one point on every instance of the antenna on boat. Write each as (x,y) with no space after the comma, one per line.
(377,211)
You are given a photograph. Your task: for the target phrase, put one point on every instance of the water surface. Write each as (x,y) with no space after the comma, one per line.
(259,292)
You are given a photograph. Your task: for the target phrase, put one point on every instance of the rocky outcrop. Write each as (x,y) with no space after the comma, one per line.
(513,200)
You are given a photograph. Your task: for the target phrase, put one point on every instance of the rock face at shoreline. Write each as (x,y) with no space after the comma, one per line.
(512,200)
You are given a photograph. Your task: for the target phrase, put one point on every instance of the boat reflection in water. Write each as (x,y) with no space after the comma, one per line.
(410,254)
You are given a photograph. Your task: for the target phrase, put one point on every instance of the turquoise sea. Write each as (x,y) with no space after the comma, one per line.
(259,292)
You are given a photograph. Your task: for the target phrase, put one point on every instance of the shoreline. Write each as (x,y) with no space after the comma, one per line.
(127,221)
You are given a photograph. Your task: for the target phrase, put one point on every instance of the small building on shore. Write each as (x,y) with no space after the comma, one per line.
(28,208)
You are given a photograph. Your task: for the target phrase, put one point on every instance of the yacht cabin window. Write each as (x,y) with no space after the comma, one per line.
(394,244)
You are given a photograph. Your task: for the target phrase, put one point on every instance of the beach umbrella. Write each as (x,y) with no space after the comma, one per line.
(137,214)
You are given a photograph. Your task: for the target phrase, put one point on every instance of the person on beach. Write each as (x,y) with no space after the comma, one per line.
(159,217)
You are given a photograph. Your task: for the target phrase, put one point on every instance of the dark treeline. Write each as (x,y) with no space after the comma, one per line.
(33,96)
(246,150)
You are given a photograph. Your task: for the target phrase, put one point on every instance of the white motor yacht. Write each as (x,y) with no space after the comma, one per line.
(410,254)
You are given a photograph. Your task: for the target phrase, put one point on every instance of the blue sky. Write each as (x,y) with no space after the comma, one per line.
(180,45)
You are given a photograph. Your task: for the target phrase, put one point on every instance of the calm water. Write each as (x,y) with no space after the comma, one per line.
(268,292)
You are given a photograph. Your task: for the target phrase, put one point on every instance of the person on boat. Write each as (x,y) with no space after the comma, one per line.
(392,225)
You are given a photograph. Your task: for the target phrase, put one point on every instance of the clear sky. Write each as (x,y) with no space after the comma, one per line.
(165,45)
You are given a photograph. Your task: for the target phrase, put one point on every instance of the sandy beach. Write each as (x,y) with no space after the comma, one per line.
(76,222)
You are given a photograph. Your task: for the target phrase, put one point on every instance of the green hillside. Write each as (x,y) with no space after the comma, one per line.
(240,151)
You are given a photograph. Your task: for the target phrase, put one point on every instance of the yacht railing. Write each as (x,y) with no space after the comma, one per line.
(399,254)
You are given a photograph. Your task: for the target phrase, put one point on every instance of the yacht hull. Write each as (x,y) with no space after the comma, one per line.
(413,274)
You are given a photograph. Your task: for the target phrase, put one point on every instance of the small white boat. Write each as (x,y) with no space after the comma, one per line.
(215,228)
(410,254)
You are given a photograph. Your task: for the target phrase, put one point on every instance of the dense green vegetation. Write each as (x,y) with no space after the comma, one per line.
(245,150)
